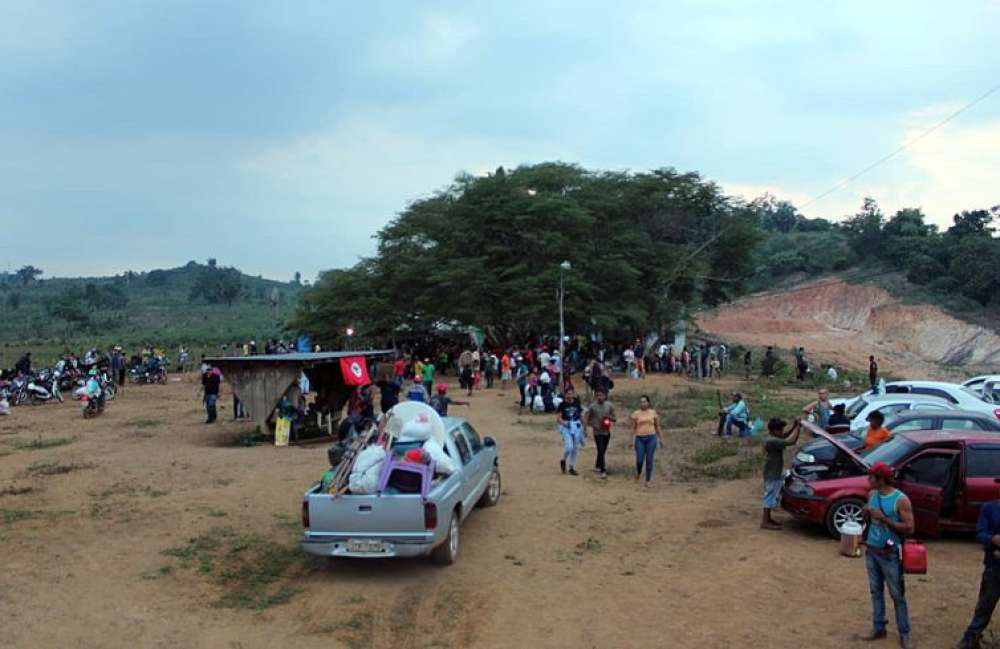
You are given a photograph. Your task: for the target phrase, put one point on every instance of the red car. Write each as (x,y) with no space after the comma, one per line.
(948,476)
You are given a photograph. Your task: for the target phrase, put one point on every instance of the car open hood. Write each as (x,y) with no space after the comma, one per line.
(819,432)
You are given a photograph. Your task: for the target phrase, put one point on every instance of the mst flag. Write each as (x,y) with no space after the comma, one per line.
(354,370)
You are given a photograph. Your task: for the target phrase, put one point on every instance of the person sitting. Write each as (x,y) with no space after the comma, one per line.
(838,418)
(737,414)
(876,433)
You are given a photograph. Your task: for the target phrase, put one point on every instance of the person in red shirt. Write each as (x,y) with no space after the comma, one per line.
(398,369)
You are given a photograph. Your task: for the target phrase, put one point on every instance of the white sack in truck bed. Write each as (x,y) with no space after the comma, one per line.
(366,471)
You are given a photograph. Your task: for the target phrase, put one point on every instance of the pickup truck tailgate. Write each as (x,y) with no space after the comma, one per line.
(364,515)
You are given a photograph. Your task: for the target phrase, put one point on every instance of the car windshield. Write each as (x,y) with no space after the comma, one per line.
(990,393)
(890,452)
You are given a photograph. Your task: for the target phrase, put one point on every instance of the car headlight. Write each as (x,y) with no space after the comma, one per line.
(805,458)
(799,488)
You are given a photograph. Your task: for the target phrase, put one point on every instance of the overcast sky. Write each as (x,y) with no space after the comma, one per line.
(279,136)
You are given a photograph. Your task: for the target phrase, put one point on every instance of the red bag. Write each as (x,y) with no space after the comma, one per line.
(914,557)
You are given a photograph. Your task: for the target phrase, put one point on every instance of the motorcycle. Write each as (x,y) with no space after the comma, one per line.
(91,407)
(44,388)
(18,390)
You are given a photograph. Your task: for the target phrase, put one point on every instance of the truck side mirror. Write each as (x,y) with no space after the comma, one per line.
(489,441)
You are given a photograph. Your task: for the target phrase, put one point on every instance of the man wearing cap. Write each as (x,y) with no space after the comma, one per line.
(441,400)
(988,534)
(890,518)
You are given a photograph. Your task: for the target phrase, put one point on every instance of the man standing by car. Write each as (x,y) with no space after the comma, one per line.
(872,372)
(988,534)
(774,467)
(890,519)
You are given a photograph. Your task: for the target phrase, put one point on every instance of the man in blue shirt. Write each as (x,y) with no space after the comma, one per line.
(988,534)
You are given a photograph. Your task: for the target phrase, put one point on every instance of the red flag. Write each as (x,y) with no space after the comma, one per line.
(355,370)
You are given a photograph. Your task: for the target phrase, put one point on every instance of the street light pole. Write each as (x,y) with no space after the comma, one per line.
(562,324)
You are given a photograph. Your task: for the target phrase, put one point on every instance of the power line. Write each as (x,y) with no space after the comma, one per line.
(902,147)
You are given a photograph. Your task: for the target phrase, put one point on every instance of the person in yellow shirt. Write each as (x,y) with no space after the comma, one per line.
(646,436)
(876,433)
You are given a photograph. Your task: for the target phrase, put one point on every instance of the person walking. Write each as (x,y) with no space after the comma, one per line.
(599,418)
(774,467)
(522,382)
(747,363)
(988,535)
(890,519)
(570,413)
(441,401)
(428,371)
(210,382)
(646,436)
(505,371)
(872,372)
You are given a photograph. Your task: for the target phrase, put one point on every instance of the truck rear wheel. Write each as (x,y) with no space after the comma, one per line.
(446,553)
(494,488)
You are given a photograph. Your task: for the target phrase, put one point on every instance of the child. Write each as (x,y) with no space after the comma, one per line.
(441,400)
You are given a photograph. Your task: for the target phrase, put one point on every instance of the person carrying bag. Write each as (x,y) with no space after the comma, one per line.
(890,519)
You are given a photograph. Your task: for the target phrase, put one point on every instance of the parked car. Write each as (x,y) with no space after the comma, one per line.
(890,404)
(977,383)
(948,476)
(959,396)
(818,455)
(404,524)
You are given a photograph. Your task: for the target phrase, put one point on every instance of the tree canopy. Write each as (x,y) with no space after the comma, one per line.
(486,252)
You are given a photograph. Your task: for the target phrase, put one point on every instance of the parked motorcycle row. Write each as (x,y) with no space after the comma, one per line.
(90,381)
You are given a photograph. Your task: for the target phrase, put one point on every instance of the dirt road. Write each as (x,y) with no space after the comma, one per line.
(111,535)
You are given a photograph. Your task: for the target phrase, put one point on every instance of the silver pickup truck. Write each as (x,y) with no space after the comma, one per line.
(393,524)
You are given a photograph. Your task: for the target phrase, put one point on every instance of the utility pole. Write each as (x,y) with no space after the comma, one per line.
(563,267)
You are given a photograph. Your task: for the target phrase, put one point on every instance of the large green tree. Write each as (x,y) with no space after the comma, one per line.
(486,252)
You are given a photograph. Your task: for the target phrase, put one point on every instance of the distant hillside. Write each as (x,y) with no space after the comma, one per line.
(196,304)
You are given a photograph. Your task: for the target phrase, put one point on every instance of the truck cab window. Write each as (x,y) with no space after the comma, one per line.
(475,443)
(463,446)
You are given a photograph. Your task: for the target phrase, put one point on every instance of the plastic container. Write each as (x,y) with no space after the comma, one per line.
(850,539)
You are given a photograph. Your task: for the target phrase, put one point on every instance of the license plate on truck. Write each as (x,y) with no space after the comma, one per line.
(367,546)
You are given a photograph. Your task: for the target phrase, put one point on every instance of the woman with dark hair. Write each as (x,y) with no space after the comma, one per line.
(646,436)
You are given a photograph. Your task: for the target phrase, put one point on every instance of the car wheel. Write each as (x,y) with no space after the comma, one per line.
(847,510)
(446,553)
(494,489)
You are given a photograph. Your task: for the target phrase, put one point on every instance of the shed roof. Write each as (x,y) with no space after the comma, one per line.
(298,357)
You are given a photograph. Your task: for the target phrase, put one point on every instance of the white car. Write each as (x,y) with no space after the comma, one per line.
(960,397)
(890,404)
(978,384)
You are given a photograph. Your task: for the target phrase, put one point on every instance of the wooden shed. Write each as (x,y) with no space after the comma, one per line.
(260,381)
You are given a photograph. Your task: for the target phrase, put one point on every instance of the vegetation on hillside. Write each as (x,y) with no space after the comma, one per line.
(196,304)
(958,269)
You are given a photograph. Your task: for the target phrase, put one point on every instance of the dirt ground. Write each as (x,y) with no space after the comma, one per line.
(99,517)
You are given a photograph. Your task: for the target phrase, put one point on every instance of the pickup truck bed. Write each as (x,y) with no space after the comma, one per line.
(403,524)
